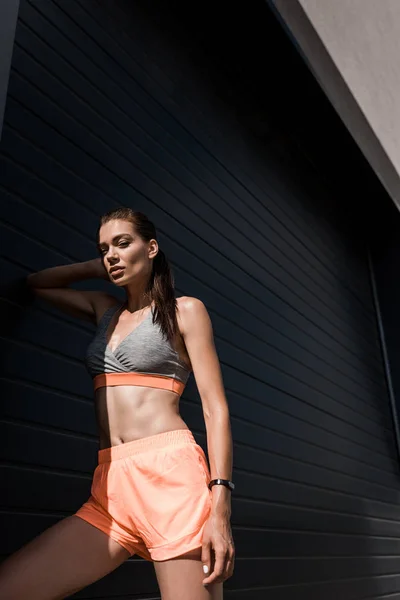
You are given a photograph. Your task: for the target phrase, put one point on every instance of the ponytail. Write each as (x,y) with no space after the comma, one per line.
(162,293)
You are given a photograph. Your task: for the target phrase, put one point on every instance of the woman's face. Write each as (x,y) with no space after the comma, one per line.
(126,256)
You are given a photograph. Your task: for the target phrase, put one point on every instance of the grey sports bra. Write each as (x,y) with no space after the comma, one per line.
(144,351)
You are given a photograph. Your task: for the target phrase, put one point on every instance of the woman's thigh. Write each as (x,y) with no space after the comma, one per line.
(181,579)
(62,560)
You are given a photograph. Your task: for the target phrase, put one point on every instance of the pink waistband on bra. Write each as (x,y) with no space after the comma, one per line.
(161,382)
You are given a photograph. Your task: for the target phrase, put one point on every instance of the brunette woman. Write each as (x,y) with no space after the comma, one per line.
(153,493)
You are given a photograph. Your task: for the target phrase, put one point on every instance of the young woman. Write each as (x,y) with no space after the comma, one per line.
(152,491)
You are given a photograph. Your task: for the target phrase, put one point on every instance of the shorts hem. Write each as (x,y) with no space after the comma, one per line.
(180,546)
(107,532)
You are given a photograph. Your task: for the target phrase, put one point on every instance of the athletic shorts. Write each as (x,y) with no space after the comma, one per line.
(151,495)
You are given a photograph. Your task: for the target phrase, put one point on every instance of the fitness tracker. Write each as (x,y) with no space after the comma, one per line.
(229,484)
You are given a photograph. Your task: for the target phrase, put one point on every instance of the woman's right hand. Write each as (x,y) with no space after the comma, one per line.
(97,267)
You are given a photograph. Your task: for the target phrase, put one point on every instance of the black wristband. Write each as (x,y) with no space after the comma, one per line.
(226,482)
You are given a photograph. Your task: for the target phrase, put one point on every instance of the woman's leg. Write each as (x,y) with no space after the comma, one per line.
(181,579)
(62,560)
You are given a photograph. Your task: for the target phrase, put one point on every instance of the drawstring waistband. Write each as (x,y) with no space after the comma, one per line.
(160,440)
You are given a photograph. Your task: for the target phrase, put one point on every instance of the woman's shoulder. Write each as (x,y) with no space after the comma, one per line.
(191,313)
(105,303)
(189,304)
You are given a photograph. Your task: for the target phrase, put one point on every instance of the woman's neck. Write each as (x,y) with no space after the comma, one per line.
(137,299)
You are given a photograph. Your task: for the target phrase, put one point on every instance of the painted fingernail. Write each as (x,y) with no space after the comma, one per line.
(205,569)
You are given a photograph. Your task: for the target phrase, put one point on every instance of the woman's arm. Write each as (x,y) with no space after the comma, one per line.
(52,285)
(196,329)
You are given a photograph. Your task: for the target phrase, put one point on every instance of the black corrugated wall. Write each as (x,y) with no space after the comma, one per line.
(113,102)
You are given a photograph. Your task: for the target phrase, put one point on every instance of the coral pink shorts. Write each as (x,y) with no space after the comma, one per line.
(151,495)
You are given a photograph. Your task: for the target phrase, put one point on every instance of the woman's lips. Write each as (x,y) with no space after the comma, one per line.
(117,272)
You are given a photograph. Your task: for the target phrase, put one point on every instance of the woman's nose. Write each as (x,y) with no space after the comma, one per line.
(111,254)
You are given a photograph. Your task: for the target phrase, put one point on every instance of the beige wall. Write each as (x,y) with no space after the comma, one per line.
(353,48)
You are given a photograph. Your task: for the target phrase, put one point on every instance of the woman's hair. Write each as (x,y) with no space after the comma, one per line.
(161,283)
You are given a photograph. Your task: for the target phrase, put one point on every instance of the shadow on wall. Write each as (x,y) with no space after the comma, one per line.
(305,554)
(384,236)
(16,297)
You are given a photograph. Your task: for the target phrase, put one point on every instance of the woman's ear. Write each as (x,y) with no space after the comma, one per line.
(153,248)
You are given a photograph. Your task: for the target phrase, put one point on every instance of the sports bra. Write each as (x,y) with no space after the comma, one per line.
(144,357)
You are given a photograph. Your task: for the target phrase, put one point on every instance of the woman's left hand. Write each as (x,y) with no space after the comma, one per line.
(217,537)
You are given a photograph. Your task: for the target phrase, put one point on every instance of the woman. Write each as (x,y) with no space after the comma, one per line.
(152,491)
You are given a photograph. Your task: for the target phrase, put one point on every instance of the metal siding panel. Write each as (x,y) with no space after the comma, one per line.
(96,116)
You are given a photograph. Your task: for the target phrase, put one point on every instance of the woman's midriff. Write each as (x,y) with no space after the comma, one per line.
(127,413)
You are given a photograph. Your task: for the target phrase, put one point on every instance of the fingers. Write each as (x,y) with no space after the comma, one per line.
(230,563)
(206,558)
(217,575)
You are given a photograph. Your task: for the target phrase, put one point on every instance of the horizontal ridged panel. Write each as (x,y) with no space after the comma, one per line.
(96,116)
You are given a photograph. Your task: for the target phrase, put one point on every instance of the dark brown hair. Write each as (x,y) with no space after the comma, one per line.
(161,283)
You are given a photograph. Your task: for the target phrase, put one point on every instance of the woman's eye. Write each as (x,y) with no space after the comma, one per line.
(123,244)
